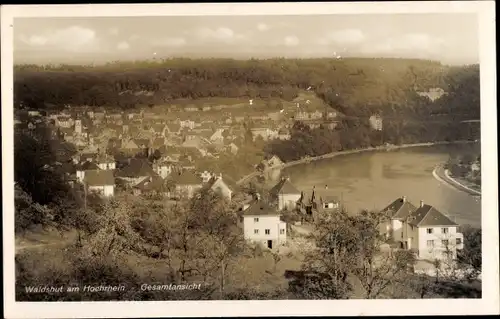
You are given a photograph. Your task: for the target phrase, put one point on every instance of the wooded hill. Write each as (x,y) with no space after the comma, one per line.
(350,85)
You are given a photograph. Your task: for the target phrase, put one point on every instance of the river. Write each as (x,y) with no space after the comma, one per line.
(372,180)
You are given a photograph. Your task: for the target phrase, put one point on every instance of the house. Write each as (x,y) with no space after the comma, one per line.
(158,129)
(217,137)
(317,201)
(206,176)
(221,187)
(233,148)
(376,122)
(82,168)
(134,114)
(262,224)
(433,93)
(153,185)
(191,109)
(187,124)
(422,229)
(274,161)
(284,134)
(475,167)
(34,113)
(106,162)
(101,182)
(316,115)
(264,132)
(135,171)
(302,115)
(163,168)
(173,128)
(64,121)
(398,211)
(130,147)
(331,115)
(186,183)
(285,194)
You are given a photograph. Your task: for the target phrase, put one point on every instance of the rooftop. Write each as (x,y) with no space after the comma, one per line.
(259,208)
(284,187)
(401,208)
(136,168)
(187,178)
(427,215)
(99,178)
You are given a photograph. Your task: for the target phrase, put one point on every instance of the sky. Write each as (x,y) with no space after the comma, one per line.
(451,38)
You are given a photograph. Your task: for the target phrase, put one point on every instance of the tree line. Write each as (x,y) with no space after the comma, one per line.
(129,84)
(416,120)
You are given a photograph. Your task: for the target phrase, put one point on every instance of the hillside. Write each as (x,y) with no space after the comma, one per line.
(352,81)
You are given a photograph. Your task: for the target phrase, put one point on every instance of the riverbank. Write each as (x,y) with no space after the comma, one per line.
(443,175)
(355,151)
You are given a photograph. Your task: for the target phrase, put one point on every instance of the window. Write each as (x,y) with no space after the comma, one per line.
(268,231)
(429,230)
(256,220)
(444,230)
(444,242)
(282,231)
(255,231)
(459,241)
(325,205)
(430,243)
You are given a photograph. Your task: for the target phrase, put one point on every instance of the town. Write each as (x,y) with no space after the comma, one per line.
(172,157)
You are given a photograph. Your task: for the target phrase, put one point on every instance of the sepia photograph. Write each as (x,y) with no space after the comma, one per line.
(318,155)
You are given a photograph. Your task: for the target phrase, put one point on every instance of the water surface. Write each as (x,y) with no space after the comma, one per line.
(372,180)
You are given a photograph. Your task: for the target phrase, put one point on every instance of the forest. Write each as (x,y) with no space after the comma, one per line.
(349,83)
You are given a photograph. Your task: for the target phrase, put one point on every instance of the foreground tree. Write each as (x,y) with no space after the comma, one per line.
(348,251)
(328,265)
(470,257)
(377,270)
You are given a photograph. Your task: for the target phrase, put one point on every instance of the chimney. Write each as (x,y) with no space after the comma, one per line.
(257,196)
(326,186)
(403,198)
(421,203)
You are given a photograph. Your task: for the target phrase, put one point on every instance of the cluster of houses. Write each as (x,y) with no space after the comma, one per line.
(212,128)
(100,174)
(176,139)
(422,229)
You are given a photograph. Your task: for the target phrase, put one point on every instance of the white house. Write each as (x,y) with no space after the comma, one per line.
(274,161)
(101,182)
(106,162)
(424,229)
(376,122)
(206,176)
(285,194)
(81,169)
(164,169)
(262,224)
(217,137)
(33,113)
(218,185)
